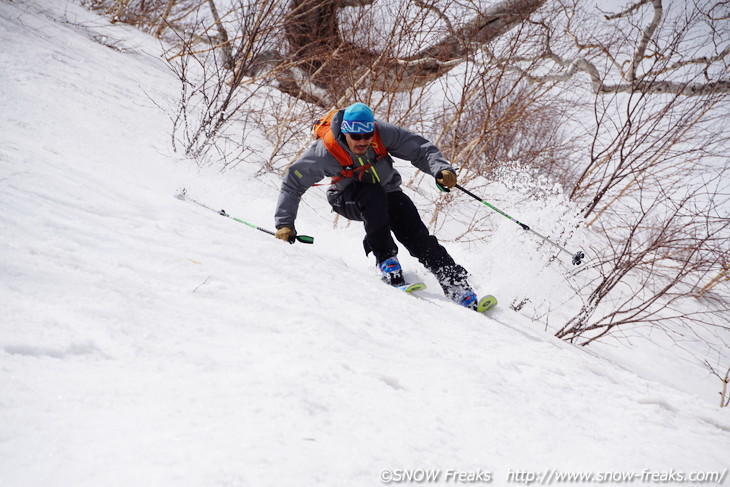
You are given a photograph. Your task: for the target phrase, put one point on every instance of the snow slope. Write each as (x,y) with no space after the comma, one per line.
(146,341)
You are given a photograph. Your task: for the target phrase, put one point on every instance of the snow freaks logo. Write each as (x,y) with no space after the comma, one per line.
(357,127)
(422,476)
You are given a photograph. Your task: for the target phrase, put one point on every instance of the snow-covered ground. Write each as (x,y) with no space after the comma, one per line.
(147,341)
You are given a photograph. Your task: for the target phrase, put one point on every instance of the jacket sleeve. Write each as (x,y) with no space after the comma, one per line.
(407,145)
(309,169)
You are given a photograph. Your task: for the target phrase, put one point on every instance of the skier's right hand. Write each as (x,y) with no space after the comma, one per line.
(446,178)
(285,233)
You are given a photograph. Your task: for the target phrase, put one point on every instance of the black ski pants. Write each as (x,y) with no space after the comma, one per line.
(383,213)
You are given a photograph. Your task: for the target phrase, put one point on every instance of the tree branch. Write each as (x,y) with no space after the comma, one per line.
(628,11)
(645,38)
(313,35)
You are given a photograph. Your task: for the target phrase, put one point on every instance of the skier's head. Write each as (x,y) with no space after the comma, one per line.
(358,119)
(358,126)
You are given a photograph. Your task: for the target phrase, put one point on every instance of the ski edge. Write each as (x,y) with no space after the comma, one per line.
(411,287)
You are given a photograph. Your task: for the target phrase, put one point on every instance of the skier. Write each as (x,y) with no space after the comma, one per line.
(366,187)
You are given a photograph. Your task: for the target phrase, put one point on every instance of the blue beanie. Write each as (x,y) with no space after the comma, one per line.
(358,119)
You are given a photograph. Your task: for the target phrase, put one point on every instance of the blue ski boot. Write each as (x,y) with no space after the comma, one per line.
(469,300)
(391,271)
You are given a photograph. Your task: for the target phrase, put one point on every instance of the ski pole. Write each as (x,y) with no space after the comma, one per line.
(183,195)
(577,257)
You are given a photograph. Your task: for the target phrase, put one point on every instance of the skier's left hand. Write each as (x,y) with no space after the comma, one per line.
(446,178)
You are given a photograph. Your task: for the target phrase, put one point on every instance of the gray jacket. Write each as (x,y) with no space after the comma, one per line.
(317,163)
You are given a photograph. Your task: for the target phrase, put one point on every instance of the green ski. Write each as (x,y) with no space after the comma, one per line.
(412,287)
(486,303)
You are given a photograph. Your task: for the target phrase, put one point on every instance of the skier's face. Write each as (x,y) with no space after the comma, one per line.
(360,146)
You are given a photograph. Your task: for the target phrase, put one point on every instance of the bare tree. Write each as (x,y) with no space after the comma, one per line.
(649,47)
(213,94)
(638,135)
(654,185)
(497,124)
(657,250)
(330,52)
(652,47)
(657,63)
(725,380)
(314,37)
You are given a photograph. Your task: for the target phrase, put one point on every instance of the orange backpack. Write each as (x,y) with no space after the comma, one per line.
(323,130)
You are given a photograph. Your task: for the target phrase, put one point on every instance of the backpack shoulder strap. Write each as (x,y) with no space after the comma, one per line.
(323,130)
(378,146)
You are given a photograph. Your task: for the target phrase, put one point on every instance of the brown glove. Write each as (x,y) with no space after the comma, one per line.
(446,178)
(284,233)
